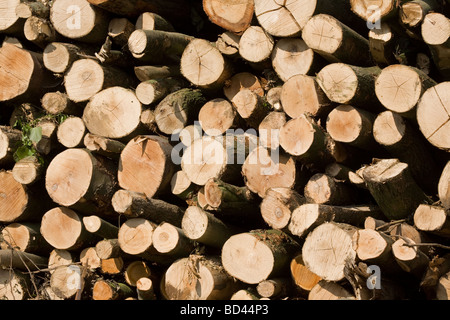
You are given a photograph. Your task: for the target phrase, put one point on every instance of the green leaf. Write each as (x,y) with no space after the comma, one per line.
(35,134)
(23,152)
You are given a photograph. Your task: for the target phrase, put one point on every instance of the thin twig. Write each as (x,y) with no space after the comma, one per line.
(388,224)
(26,266)
(430,244)
(408,243)
(52,268)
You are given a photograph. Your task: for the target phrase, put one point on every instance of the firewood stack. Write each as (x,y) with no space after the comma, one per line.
(254,149)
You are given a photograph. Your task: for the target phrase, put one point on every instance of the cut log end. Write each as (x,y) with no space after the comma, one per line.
(135,236)
(389,128)
(399,88)
(266,248)
(370,244)
(203,64)
(150,156)
(204,159)
(323,33)
(256,44)
(302,94)
(433,116)
(71,132)
(322,242)
(431,219)
(366,10)
(58,237)
(242,80)
(435,28)
(84,79)
(253,271)
(302,276)
(339,81)
(135,271)
(297,136)
(195,222)
(77,166)
(14,198)
(20,69)
(350,125)
(27,170)
(235,17)
(217,116)
(64,275)
(90,25)
(444,187)
(264,170)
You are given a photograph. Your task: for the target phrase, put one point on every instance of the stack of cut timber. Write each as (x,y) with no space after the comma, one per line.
(252,149)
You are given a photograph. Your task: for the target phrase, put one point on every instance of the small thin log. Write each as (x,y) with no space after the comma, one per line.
(323,189)
(135,238)
(303,278)
(100,227)
(198,278)
(135,271)
(274,288)
(203,227)
(112,266)
(153,21)
(277,206)
(204,65)
(432,219)
(109,148)
(335,41)
(145,289)
(111,290)
(24,237)
(55,225)
(393,188)
(119,30)
(309,216)
(182,187)
(137,205)
(59,257)
(89,259)
(59,102)
(157,47)
(234,204)
(108,248)
(410,259)
(24,261)
(402,140)
(71,132)
(28,170)
(146,165)
(171,240)
(264,245)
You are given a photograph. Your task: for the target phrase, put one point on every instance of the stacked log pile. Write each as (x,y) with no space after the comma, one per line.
(217,150)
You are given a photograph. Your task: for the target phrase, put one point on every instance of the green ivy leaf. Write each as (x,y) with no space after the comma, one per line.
(35,134)
(23,152)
